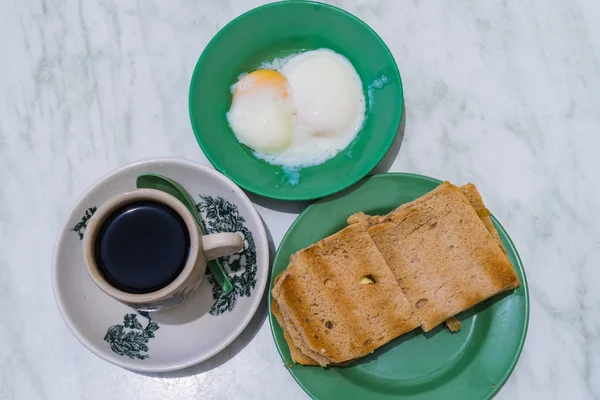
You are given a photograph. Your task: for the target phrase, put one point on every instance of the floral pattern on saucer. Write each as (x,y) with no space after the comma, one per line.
(219,215)
(130,339)
(192,332)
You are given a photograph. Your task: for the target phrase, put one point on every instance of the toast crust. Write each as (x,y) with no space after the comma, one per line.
(297,355)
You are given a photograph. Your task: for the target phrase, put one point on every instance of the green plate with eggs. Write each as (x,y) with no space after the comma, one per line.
(272,32)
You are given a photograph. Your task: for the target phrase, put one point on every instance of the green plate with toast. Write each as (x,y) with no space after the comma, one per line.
(472,363)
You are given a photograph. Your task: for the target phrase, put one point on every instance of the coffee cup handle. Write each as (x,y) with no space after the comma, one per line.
(221,244)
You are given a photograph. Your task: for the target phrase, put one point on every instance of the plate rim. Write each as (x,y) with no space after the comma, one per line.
(369,166)
(256,298)
(497,224)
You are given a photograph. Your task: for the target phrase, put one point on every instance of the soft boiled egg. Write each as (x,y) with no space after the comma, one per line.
(260,115)
(298,111)
(327,93)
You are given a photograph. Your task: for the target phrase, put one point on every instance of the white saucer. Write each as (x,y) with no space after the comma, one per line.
(192,332)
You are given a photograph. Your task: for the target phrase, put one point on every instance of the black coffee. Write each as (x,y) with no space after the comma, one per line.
(142,247)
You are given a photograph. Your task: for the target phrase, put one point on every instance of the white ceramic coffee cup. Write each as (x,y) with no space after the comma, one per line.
(203,248)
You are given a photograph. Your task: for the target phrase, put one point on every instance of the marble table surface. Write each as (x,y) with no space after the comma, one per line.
(503,94)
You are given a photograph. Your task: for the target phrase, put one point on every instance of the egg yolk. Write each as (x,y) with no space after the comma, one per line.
(260,80)
(260,114)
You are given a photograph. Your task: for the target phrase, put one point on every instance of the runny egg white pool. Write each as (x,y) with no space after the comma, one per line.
(300,110)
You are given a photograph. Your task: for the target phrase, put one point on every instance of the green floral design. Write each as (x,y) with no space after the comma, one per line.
(222,216)
(81,225)
(131,339)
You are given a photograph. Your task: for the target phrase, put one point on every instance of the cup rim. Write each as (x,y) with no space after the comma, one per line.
(105,210)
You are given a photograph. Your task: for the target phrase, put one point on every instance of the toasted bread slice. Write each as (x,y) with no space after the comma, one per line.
(342,299)
(297,355)
(301,353)
(442,254)
(296,352)
(470,192)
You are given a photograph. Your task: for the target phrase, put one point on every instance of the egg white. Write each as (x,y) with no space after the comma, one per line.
(325,108)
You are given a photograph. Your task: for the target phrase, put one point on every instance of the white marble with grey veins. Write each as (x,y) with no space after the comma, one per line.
(502,93)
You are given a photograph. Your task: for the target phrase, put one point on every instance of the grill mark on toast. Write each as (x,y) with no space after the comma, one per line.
(353,319)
